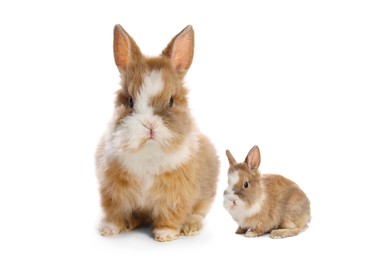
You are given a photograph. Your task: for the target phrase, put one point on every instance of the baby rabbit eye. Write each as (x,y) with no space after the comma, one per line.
(130,102)
(246,185)
(171,102)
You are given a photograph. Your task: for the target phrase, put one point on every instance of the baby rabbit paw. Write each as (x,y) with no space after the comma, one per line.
(253,233)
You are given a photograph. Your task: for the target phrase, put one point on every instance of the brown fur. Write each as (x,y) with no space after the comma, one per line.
(179,199)
(285,209)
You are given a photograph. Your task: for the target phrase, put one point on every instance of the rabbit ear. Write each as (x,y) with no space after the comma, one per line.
(230,157)
(253,158)
(181,50)
(125,48)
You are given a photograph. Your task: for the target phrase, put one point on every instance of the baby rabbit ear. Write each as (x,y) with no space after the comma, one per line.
(230,157)
(181,50)
(125,48)
(253,158)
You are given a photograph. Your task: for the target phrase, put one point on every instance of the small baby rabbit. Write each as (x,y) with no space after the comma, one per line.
(153,164)
(264,203)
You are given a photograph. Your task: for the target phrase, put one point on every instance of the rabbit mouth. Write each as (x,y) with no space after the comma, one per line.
(151,135)
(155,137)
(231,201)
(137,131)
(150,129)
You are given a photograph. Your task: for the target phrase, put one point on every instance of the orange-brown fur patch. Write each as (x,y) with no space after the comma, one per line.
(286,205)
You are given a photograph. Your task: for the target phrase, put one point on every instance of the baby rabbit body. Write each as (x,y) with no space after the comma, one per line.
(153,165)
(263,203)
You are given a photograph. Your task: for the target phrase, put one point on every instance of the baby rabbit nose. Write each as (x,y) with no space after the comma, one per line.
(233,199)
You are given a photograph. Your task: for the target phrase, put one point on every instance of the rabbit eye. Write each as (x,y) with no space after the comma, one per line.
(130,102)
(171,102)
(246,185)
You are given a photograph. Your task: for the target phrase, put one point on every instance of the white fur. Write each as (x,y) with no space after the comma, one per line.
(151,86)
(233,179)
(229,197)
(134,132)
(108,229)
(275,236)
(250,233)
(165,234)
(256,208)
(153,160)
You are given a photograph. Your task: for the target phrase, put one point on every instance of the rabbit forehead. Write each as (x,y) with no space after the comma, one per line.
(239,170)
(233,178)
(152,85)
(144,75)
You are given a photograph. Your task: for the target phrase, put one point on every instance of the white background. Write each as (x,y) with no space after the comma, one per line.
(307,81)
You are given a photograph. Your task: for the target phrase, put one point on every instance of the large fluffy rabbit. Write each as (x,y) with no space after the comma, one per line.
(153,165)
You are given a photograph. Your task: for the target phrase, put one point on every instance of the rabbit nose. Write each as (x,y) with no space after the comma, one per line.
(233,200)
(150,125)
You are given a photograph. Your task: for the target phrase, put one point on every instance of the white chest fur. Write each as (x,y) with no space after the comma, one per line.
(242,211)
(152,159)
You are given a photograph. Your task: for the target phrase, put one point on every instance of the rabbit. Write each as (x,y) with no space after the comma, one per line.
(153,165)
(264,203)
